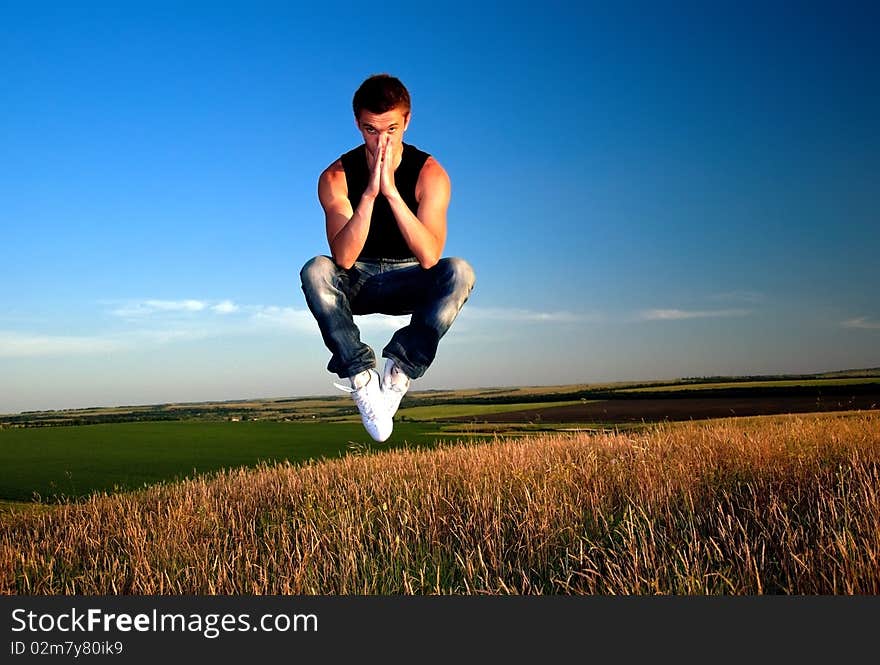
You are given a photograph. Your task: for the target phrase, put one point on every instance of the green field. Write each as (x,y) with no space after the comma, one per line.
(73,462)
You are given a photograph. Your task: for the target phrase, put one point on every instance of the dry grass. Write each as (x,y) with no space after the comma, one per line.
(770,505)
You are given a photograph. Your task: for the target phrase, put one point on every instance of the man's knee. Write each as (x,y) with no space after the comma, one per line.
(459,272)
(318,270)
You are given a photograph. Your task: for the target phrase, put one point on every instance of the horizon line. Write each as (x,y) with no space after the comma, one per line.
(436,390)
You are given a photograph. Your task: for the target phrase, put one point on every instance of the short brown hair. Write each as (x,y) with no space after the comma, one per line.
(380,93)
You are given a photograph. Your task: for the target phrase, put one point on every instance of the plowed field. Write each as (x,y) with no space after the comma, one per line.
(686,408)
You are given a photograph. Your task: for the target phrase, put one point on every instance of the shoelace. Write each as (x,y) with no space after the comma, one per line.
(400,386)
(363,404)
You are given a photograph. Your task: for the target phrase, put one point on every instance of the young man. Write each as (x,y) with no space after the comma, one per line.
(385,205)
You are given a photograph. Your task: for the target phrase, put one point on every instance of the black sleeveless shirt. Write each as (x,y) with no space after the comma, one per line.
(384,240)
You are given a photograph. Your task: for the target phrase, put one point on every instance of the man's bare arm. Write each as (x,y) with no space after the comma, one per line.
(347,229)
(425,231)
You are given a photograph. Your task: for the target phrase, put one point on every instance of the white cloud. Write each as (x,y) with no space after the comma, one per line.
(523,315)
(679,314)
(31,345)
(167,335)
(861,322)
(740,296)
(282,317)
(157,308)
(23,345)
(178,305)
(381,322)
(290,318)
(225,307)
(143,308)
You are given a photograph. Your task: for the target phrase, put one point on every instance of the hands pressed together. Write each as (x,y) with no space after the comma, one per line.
(382,173)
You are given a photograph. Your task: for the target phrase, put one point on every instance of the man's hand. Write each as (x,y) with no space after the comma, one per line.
(374,186)
(388,186)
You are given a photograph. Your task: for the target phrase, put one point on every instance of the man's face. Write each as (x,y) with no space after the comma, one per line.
(373,127)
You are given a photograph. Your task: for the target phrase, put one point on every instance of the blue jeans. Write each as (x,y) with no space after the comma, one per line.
(433,297)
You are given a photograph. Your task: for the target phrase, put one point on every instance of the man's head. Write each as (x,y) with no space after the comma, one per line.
(381,109)
(381,93)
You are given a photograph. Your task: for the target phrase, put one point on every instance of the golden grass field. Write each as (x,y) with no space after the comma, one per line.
(770,505)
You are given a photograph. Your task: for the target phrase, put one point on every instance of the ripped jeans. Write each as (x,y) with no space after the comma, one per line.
(433,297)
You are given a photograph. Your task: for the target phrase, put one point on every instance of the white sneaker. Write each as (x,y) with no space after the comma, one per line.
(366,390)
(394,386)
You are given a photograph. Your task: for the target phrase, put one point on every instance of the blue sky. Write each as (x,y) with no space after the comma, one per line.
(645,191)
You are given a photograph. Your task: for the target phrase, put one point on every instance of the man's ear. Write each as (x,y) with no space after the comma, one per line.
(407,119)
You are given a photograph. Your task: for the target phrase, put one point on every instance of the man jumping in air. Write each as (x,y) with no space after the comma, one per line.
(385,205)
